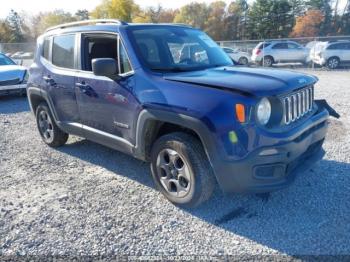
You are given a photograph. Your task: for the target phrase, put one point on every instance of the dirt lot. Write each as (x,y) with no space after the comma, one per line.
(85,199)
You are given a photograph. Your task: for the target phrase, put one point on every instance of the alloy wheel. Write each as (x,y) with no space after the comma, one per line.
(173,173)
(333,63)
(267,62)
(45,126)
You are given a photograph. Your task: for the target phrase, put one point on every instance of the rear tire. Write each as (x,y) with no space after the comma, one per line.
(50,133)
(267,61)
(333,62)
(181,170)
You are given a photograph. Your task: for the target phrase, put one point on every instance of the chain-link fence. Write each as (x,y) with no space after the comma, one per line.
(311,52)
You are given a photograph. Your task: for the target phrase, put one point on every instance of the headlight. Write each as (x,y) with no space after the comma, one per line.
(264,111)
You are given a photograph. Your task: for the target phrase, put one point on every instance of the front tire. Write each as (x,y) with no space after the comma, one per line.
(181,170)
(243,61)
(50,133)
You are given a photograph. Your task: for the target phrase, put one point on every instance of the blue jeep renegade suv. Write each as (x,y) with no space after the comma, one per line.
(167,94)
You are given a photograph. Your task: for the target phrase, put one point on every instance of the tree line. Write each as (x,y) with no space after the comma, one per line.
(237,20)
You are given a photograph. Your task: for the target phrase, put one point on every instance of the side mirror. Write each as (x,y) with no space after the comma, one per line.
(105,67)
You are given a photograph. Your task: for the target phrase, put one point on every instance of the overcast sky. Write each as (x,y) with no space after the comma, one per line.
(35,6)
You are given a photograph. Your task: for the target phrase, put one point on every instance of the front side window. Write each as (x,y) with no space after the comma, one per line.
(63,51)
(4,60)
(170,48)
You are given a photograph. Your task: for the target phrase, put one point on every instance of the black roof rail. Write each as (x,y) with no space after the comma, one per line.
(87,22)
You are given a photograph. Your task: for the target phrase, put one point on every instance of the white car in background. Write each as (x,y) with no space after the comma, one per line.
(331,54)
(242,58)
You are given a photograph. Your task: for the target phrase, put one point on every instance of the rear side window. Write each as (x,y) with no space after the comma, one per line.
(63,51)
(337,46)
(280,46)
(46,48)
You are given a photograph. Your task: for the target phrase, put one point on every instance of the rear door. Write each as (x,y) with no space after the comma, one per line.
(280,52)
(59,77)
(107,107)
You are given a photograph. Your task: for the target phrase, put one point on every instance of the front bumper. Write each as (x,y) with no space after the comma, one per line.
(13,89)
(274,167)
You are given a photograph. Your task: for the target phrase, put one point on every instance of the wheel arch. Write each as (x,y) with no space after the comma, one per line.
(36,96)
(152,124)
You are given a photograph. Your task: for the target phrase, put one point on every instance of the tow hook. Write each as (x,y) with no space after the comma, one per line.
(322,103)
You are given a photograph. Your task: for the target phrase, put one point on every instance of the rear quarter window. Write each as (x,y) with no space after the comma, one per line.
(63,51)
(46,49)
(263,45)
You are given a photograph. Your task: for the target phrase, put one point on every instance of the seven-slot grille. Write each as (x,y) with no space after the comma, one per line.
(297,104)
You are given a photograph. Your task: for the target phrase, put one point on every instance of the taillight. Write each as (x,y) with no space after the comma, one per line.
(258,51)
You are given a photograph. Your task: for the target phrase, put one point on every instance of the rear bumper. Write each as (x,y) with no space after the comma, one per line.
(271,168)
(318,60)
(12,89)
(256,59)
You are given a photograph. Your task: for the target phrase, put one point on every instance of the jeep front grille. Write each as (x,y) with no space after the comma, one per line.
(298,104)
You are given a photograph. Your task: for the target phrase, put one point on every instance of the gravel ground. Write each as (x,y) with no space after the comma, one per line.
(85,199)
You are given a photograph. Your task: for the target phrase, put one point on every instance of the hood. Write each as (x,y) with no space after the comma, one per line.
(11,72)
(249,81)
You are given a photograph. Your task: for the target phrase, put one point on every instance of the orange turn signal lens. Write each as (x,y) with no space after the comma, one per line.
(240,113)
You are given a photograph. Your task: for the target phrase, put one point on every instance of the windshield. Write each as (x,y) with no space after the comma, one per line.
(171,48)
(4,60)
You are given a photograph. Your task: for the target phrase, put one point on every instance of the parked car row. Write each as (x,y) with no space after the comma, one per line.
(331,54)
(20,55)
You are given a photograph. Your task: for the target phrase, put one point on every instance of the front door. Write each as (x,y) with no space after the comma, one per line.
(106,106)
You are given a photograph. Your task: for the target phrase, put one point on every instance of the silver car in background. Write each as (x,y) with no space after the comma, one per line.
(271,52)
(331,54)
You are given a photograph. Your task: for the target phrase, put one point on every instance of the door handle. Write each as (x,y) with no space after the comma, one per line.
(86,89)
(49,80)
(81,85)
